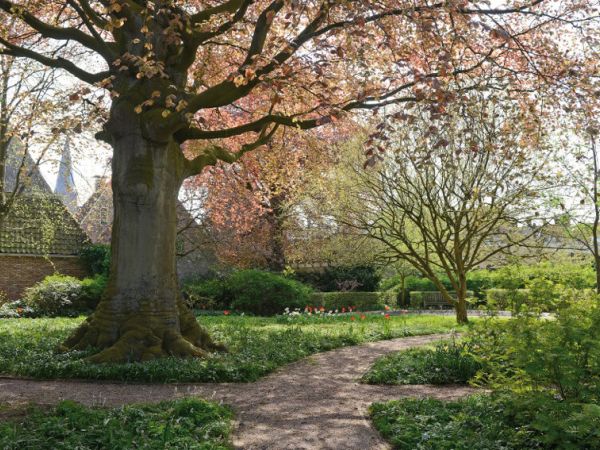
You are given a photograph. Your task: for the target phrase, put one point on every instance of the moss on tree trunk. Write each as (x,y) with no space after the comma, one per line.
(141,315)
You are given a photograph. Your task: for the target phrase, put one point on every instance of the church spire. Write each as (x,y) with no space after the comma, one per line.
(65,183)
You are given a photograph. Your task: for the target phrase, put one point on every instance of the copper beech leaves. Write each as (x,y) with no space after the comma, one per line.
(306,64)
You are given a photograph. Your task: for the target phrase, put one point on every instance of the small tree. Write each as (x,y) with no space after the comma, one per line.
(449,197)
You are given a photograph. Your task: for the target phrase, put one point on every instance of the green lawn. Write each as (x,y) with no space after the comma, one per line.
(179,425)
(258,345)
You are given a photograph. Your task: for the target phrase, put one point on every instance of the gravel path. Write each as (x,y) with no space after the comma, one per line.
(315,403)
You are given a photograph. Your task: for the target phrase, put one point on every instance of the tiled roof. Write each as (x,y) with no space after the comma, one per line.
(39,224)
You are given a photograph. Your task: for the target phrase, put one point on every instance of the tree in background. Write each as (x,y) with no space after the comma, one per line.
(262,193)
(577,202)
(448,197)
(266,64)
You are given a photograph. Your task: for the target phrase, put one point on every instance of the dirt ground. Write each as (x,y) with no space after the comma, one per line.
(315,403)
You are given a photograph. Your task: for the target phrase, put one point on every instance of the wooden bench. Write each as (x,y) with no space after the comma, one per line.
(435,299)
(429,299)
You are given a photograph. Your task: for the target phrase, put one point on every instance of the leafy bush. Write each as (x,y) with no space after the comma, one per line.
(447,363)
(506,299)
(560,354)
(362,301)
(96,258)
(181,424)
(332,279)
(504,421)
(16,309)
(265,293)
(207,294)
(92,290)
(55,295)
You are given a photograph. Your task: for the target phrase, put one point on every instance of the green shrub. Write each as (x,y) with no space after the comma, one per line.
(181,424)
(16,309)
(55,295)
(332,279)
(559,354)
(448,363)
(96,258)
(362,301)
(92,290)
(506,299)
(207,294)
(265,293)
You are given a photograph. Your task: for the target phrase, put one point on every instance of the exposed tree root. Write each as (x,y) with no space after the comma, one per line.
(142,336)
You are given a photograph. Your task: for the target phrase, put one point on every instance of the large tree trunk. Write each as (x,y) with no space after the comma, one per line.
(141,315)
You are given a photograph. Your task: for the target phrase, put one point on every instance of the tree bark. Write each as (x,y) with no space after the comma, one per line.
(141,315)
(461,300)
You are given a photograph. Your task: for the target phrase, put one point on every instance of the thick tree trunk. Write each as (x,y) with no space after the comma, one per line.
(141,315)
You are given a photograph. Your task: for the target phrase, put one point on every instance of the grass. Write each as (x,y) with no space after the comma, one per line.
(258,345)
(505,421)
(446,363)
(182,424)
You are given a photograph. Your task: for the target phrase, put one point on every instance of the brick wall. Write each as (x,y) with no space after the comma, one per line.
(19,272)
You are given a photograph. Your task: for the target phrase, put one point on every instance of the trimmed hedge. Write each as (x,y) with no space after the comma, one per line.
(364,301)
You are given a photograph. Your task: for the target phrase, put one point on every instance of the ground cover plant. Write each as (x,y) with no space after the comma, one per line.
(257,345)
(445,363)
(499,422)
(182,424)
(545,381)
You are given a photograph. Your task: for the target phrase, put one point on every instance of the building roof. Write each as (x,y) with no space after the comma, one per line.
(39,224)
(65,182)
(20,166)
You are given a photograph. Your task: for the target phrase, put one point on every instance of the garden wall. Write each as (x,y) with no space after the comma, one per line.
(18,272)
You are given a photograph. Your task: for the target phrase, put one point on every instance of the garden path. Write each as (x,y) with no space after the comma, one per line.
(315,403)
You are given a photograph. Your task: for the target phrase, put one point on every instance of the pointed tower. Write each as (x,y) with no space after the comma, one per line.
(65,183)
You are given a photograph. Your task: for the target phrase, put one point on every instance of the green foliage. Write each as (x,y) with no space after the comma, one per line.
(182,424)
(568,274)
(499,422)
(562,354)
(361,301)
(355,278)
(60,295)
(447,363)
(510,277)
(257,346)
(16,309)
(55,295)
(251,291)
(96,258)
(92,290)
(207,294)
(506,299)
(265,293)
